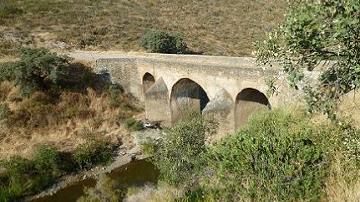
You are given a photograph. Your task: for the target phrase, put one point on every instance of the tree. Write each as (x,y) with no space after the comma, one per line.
(38,69)
(318,32)
(157,41)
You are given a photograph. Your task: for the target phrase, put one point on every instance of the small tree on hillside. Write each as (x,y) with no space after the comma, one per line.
(37,69)
(157,41)
(315,31)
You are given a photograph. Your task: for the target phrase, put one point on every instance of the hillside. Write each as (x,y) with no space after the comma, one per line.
(227,27)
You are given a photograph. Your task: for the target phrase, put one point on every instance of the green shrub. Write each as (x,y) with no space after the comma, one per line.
(133,124)
(92,153)
(9,9)
(149,146)
(37,69)
(19,171)
(42,70)
(27,177)
(4,111)
(163,42)
(47,161)
(350,142)
(179,154)
(277,157)
(30,176)
(7,72)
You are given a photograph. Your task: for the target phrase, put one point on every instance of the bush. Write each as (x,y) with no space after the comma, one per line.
(91,153)
(30,176)
(7,72)
(37,69)
(306,38)
(149,146)
(163,42)
(27,177)
(4,111)
(17,178)
(47,161)
(42,70)
(9,9)
(179,154)
(277,157)
(133,124)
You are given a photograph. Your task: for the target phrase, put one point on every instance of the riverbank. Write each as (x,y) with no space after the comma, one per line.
(123,156)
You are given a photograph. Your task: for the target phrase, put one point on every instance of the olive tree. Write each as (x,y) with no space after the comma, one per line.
(316,32)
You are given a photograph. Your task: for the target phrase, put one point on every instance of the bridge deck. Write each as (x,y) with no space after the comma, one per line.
(196,60)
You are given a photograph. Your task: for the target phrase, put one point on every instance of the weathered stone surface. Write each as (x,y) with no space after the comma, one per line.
(215,76)
(157,103)
(220,109)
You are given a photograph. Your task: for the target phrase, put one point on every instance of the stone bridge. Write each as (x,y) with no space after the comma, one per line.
(229,89)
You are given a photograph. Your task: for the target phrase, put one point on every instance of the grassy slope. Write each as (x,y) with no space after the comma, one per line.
(227,27)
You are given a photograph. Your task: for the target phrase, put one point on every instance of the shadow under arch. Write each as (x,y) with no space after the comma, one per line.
(187,95)
(147,81)
(248,102)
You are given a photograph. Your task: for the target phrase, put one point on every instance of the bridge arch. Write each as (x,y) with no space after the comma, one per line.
(147,81)
(247,102)
(187,95)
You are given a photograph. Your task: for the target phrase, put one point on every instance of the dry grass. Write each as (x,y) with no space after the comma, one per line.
(350,107)
(339,187)
(64,122)
(227,27)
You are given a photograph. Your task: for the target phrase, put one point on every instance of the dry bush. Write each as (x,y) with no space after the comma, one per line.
(5,89)
(65,121)
(74,105)
(32,112)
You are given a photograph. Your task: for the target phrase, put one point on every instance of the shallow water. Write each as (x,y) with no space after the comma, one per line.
(135,173)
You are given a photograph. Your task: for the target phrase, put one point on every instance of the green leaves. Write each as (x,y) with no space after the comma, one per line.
(180,154)
(158,41)
(277,157)
(93,152)
(37,69)
(4,111)
(314,32)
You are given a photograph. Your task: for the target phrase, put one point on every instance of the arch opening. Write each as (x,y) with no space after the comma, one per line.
(147,81)
(187,95)
(248,102)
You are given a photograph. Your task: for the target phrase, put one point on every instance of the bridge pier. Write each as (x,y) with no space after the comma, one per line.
(229,89)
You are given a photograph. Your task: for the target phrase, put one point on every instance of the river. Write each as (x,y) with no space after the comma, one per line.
(136,173)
